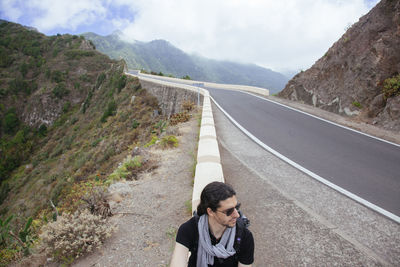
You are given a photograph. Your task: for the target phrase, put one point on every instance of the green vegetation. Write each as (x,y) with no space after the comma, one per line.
(391,87)
(153,141)
(77,54)
(126,169)
(169,141)
(11,243)
(110,111)
(75,139)
(357,104)
(60,90)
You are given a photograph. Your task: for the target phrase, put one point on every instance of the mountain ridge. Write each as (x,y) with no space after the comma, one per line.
(161,56)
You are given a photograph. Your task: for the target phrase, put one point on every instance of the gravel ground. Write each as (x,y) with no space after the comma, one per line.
(151,210)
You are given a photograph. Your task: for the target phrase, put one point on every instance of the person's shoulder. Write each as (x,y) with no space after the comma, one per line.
(247,232)
(190,223)
(247,235)
(187,233)
(188,226)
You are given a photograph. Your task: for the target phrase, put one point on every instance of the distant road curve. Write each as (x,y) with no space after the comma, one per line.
(362,167)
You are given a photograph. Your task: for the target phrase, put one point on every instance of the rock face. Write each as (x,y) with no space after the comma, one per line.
(170,99)
(348,78)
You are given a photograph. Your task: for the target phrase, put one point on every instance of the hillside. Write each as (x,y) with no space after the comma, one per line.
(161,56)
(68,118)
(359,75)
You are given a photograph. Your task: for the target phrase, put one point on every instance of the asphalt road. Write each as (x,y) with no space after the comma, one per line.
(364,166)
(367,167)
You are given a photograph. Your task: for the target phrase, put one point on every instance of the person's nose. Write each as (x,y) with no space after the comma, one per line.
(236,214)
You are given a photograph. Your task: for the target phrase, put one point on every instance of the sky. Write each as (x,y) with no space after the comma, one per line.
(286,35)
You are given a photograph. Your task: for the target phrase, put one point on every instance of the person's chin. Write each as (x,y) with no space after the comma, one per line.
(232,223)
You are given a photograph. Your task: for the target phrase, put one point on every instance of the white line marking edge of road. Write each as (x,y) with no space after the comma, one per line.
(322,119)
(308,172)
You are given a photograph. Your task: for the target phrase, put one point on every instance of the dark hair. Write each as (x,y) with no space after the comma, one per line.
(212,194)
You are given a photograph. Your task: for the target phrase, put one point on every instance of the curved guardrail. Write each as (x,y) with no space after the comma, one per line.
(208,167)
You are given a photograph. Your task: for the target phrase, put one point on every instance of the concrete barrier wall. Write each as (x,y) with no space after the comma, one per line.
(252,89)
(208,167)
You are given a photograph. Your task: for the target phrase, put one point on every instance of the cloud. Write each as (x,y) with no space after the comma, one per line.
(277,34)
(48,15)
(13,12)
(288,34)
(65,14)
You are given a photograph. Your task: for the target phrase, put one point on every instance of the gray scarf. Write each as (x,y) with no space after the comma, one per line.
(206,251)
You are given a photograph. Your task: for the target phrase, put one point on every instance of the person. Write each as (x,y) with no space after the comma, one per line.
(210,235)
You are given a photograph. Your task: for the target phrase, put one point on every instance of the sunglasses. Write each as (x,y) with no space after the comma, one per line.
(229,212)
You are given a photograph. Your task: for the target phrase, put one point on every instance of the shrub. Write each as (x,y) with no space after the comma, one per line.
(72,235)
(18,85)
(42,131)
(187,77)
(135,124)
(159,127)
(84,78)
(121,82)
(23,69)
(357,104)
(77,54)
(57,76)
(5,236)
(169,141)
(11,122)
(96,142)
(110,111)
(188,105)
(96,202)
(179,117)
(391,87)
(66,107)
(5,58)
(125,169)
(60,90)
(153,140)
(100,79)
(4,189)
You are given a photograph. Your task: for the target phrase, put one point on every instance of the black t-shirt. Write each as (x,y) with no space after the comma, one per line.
(188,234)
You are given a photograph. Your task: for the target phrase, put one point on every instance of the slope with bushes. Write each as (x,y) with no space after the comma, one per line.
(68,117)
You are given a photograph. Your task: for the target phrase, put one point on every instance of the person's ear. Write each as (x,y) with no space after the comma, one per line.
(210,212)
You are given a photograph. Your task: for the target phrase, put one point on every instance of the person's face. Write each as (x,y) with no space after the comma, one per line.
(226,214)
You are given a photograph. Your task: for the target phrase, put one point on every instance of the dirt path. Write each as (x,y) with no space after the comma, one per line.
(151,210)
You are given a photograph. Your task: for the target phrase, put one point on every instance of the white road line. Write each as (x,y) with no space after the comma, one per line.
(331,122)
(308,172)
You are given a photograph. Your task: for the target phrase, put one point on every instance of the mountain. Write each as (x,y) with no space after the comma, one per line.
(66,120)
(161,56)
(359,74)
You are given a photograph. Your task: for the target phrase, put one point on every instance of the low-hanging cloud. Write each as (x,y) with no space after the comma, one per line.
(288,34)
